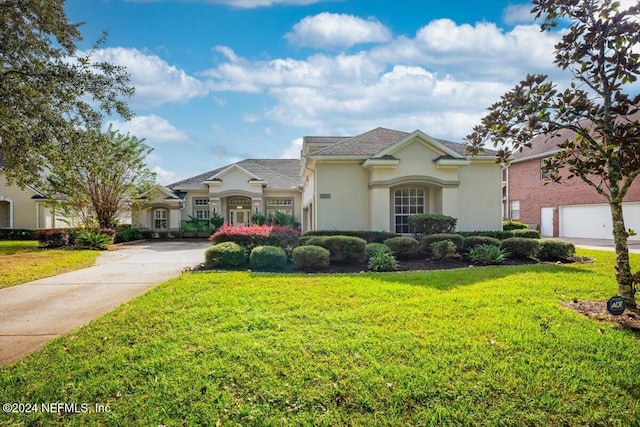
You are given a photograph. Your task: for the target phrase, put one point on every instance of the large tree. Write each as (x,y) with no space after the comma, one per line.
(600,109)
(100,175)
(47,88)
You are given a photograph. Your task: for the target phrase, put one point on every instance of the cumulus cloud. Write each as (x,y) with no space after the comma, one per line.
(152,128)
(156,82)
(329,30)
(517,14)
(164,177)
(293,150)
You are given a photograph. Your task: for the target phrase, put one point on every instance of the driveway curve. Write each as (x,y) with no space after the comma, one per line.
(33,313)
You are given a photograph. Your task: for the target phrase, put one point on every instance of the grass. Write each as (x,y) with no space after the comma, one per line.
(23,261)
(481,346)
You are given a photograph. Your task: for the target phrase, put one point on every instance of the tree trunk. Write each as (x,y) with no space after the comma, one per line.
(623,267)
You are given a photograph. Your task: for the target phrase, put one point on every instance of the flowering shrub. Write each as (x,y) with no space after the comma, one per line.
(257,235)
(52,238)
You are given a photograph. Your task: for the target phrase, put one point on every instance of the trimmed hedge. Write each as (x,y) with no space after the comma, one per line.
(432,224)
(375,247)
(555,250)
(472,241)
(527,234)
(369,236)
(531,234)
(343,249)
(509,224)
(226,254)
(17,234)
(403,247)
(520,247)
(310,258)
(426,241)
(267,258)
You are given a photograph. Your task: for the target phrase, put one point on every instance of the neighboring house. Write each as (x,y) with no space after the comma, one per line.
(570,209)
(373,181)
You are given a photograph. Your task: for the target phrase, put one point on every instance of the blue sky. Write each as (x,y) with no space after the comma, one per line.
(222,80)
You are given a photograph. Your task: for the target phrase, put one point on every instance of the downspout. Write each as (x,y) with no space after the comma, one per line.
(184,205)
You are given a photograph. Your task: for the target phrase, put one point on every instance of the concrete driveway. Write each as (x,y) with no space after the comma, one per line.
(34,313)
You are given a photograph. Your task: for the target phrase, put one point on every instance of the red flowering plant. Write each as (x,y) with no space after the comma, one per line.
(257,235)
(52,237)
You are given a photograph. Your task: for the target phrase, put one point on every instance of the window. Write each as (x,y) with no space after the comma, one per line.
(201,208)
(514,209)
(281,204)
(201,202)
(543,173)
(239,203)
(407,202)
(160,219)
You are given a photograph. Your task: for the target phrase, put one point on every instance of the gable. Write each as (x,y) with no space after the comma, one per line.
(435,148)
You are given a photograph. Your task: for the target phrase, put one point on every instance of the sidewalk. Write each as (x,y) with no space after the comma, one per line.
(31,314)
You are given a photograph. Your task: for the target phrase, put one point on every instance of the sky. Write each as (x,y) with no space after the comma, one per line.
(218,81)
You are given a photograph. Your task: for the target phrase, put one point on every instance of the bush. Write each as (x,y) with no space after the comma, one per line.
(17,234)
(127,233)
(381,260)
(527,234)
(487,254)
(284,220)
(555,250)
(257,235)
(443,249)
(267,258)
(520,247)
(343,249)
(472,241)
(403,247)
(216,221)
(258,219)
(372,247)
(369,236)
(93,240)
(426,241)
(432,224)
(226,254)
(52,238)
(508,225)
(310,258)
(531,234)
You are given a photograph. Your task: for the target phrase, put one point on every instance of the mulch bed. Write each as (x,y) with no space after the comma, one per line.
(598,310)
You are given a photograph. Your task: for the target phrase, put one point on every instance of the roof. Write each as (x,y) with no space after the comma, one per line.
(276,173)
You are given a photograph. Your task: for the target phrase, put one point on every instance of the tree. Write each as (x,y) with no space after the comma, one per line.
(47,88)
(600,109)
(100,175)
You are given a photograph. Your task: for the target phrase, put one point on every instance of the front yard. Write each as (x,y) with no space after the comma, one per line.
(477,346)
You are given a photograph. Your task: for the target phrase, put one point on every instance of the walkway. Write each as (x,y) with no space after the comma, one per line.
(34,313)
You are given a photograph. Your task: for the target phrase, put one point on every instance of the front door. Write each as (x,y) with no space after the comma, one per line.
(239,217)
(546,222)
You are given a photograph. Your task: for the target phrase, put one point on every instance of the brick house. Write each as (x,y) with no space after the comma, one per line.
(570,209)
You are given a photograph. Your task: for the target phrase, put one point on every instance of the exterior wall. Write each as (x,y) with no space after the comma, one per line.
(25,213)
(348,207)
(479,197)
(526,185)
(297,201)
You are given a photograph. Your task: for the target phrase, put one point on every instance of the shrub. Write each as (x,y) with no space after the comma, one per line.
(520,247)
(93,240)
(369,236)
(555,250)
(472,241)
(372,247)
(443,249)
(509,224)
(432,224)
(258,219)
(284,220)
(532,234)
(487,254)
(127,233)
(343,249)
(310,258)
(426,241)
(216,221)
(381,260)
(17,234)
(403,247)
(527,234)
(52,238)
(267,258)
(256,235)
(226,254)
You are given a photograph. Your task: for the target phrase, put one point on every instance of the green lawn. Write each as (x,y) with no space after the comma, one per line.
(481,346)
(22,261)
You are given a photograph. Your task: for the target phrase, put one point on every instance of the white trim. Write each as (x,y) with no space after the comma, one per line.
(229,169)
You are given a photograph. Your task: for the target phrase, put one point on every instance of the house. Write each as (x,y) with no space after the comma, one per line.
(572,209)
(372,181)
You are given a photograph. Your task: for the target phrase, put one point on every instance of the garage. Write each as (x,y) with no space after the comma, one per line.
(594,221)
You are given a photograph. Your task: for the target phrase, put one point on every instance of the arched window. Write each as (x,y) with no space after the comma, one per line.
(160,217)
(407,201)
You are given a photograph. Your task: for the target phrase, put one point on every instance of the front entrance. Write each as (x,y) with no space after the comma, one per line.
(546,222)
(239,217)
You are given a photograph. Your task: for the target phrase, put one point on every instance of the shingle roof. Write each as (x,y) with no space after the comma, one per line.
(277,173)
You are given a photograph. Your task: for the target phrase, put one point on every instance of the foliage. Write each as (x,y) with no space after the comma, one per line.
(343,249)
(227,254)
(369,236)
(520,247)
(284,220)
(99,175)
(216,221)
(498,234)
(258,219)
(555,250)
(403,247)
(127,233)
(426,241)
(472,241)
(443,249)
(17,234)
(510,224)
(382,260)
(52,238)
(432,224)
(370,248)
(269,258)
(257,235)
(488,254)
(594,122)
(194,224)
(49,90)
(310,258)
(93,240)
(526,233)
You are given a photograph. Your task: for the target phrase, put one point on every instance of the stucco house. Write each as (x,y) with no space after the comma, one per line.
(572,209)
(372,181)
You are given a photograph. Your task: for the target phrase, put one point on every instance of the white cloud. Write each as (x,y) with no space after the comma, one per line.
(165,177)
(156,82)
(293,150)
(328,30)
(517,14)
(152,128)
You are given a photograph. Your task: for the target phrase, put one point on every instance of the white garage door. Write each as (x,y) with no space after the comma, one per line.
(594,221)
